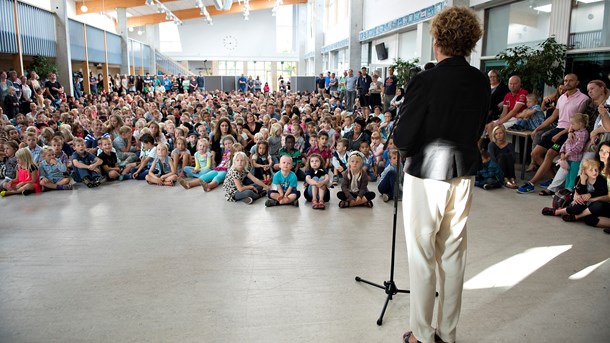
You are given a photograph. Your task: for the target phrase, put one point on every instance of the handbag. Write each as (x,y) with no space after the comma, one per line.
(562,198)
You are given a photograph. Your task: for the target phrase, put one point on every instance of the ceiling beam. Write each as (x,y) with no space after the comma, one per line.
(109,5)
(255,5)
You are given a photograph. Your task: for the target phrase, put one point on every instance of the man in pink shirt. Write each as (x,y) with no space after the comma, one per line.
(571,102)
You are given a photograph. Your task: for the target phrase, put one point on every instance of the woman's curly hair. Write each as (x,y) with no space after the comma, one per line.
(456,31)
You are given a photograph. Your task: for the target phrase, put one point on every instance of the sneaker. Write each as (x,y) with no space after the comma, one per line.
(526,188)
(67,187)
(27,192)
(295,203)
(487,187)
(270,202)
(385,197)
(546,183)
(607,231)
(87,181)
(248,200)
(101,179)
(369,204)
(121,177)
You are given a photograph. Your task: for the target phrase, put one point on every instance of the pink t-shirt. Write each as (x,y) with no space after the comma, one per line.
(568,106)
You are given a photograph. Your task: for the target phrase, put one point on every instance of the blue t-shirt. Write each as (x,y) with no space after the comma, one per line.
(285,182)
(87,157)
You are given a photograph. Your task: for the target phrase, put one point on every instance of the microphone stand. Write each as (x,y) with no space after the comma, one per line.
(389,286)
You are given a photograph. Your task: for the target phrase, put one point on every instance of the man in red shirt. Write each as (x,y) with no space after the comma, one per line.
(514,103)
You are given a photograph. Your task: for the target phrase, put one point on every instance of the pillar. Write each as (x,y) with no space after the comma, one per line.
(64,57)
(560,20)
(122,30)
(152,39)
(318,15)
(356,18)
(424,42)
(301,14)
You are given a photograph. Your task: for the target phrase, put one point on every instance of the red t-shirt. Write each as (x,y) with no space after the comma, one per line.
(511,100)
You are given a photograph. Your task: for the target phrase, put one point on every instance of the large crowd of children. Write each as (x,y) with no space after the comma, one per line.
(274,145)
(261,144)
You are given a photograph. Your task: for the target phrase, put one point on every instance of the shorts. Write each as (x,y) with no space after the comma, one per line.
(547,142)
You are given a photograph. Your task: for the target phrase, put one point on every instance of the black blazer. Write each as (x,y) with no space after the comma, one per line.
(442,119)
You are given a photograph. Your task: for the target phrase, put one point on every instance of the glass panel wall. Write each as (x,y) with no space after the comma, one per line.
(519,23)
(589,24)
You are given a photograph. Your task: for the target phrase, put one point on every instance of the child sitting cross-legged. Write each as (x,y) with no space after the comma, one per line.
(262,162)
(85,165)
(286,183)
(590,186)
(53,173)
(316,182)
(203,164)
(162,172)
(354,191)
(215,177)
(28,177)
(339,160)
(291,151)
(181,157)
(235,189)
(110,162)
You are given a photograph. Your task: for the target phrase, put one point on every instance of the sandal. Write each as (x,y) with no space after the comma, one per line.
(510,185)
(569,218)
(408,335)
(343,204)
(548,211)
(369,204)
(183,183)
(204,185)
(546,192)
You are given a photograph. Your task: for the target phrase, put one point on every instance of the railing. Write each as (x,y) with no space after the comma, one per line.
(169,66)
(585,40)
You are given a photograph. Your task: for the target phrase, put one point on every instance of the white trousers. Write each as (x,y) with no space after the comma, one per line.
(435,215)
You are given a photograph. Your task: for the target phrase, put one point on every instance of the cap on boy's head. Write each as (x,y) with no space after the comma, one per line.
(194,133)
(360,122)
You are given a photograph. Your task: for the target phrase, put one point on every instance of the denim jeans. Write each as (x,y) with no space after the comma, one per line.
(386,185)
(80,173)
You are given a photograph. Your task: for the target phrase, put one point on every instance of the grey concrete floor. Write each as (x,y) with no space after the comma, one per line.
(131,262)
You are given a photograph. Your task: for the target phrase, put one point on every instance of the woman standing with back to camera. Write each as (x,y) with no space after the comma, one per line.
(438,134)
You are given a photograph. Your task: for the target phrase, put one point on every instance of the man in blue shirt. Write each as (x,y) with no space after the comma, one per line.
(243,83)
(350,88)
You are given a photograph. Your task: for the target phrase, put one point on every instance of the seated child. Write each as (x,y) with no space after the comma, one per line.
(148,153)
(339,161)
(215,177)
(354,191)
(10,162)
(162,172)
(490,175)
(85,165)
(316,182)
(377,148)
(590,186)
(28,177)
(125,151)
(110,162)
(181,156)
(286,182)
(531,117)
(203,164)
(235,189)
(31,140)
(258,137)
(387,179)
(262,162)
(57,144)
(369,165)
(572,150)
(53,173)
(294,154)
(275,142)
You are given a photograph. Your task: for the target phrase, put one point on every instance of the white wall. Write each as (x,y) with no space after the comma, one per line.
(255,39)
(580,17)
(379,12)
(407,45)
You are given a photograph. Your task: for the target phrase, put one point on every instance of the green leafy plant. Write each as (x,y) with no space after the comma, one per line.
(405,70)
(42,66)
(537,67)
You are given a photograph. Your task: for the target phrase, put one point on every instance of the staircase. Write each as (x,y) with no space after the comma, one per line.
(167,65)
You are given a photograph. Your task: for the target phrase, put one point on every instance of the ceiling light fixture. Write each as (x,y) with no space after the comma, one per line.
(84,7)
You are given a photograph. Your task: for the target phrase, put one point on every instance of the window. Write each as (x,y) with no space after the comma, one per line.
(260,69)
(284,29)
(587,24)
(169,38)
(286,69)
(520,23)
(589,66)
(230,68)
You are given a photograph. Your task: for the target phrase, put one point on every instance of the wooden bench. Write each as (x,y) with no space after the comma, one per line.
(522,148)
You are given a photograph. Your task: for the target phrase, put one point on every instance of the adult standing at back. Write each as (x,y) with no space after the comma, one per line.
(389,89)
(571,102)
(350,88)
(364,83)
(201,82)
(438,135)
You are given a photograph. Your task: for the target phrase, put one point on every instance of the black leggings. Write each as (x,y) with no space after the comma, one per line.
(368,195)
(507,163)
(598,209)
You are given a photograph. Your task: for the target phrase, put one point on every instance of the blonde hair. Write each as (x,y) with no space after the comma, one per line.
(589,164)
(25,158)
(532,97)
(276,130)
(580,117)
(496,129)
(244,156)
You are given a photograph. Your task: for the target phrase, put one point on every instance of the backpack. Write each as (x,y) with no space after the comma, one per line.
(562,198)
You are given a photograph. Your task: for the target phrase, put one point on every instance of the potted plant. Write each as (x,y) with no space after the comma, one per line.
(537,67)
(405,70)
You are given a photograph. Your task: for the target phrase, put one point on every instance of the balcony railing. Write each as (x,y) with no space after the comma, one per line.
(585,40)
